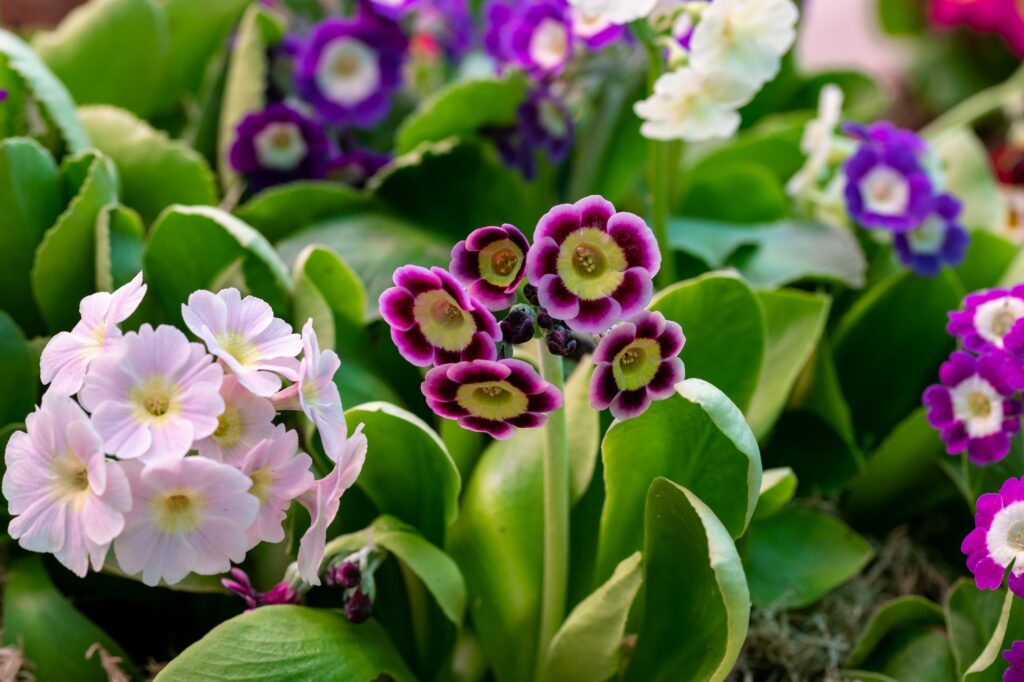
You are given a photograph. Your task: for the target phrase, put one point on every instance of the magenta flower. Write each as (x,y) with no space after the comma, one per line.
(246,420)
(279,474)
(433,321)
(392,9)
(988,318)
(997,541)
(637,363)
(491,397)
(535,35)
(65,496)
(239,583)
(595,30)
(278,145)
(491,264)
(1015,657)
(591,265)
(974,408)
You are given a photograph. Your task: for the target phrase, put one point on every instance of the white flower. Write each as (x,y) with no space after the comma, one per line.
(817,140)
(744,37)
(688,105)
(616,11)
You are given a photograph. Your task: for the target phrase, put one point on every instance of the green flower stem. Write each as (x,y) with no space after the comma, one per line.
(556,515)
(660,160)
(977,106)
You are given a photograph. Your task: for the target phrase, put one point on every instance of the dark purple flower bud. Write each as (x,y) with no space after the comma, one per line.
(239,583)
(561,342)
(530,292)
(358,607)
(518,326)
(277,145)
(346,574)
(544,320)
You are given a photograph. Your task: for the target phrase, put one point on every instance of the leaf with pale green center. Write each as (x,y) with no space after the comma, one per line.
(328,291)
(970,178)
(972,615)
(197,29)
(777,488)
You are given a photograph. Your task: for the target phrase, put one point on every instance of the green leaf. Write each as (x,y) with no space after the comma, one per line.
(462,108)
(584,428)
(54,634)
(777,489)
(198,29)
(119,244)
(588,646)
(19,382)
(697,606)
(914,654)
(279,643)
(697,439)
(155,170)
(901,17)
(988,258)
(795,323)
(80,53)
(280,211)
(199,247)
(51,94)
(31,197)
(972,616)
(1009,628)
(711,195)
(328,291)
(408,472)
(970,178)
(64,270)
(774,147)
(902,612)
(717,312)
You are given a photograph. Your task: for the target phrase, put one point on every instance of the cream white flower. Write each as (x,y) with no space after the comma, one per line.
(689,105)
(817,140)
(744,37)
(616,11)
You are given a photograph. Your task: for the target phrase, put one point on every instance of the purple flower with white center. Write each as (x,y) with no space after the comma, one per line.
(637,363)
(449,23)
(1015,657)
(991,320)
(940,240)
(434,321)
(545,123)
(491,264)
(278,145)
(594,30)
(392,9)
(349,69)
(592,266)
(974,408)
(239,583)
(491,397)
(886,185)
(356,167)
(535,35)
(997,541)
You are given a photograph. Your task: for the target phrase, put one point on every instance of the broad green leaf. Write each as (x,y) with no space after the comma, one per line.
(697,439)
(588,646)
(697,606)
(989,665)
(902,612)
(972,616)
(795,323)
(408,472)
(969,177)
(119,244)
(776,148)
(280,211)
(711,195)
(31,197)
(19,381)
(584,428)
(279,643)
(155,170)
(54,634)
(51,94)
(914,654)
(198,28)
(901,17)
(200,247)
(111,52)
(863,676)
(64,270)
(1015,273)
(328,291)
(462,108)
(988,259)
(725,332)
(777,488)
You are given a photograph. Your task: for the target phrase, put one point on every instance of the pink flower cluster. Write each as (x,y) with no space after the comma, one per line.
(167,450)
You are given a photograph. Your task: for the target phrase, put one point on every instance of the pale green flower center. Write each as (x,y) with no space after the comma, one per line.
(637,364)
(262,480)
(500,262)
(443,321)
(494,400)
(229,427)
(591,264)
(177,512)
(70,479)
(155,399)
(238,346)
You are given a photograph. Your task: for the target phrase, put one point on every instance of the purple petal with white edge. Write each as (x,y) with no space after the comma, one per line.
(959,367)
(630,404)
(603,388)
(672,340)
(446,357)
(989,449)
(480,238)
(517,237)
(416,279)
(438,386)
(663,385)
(940,406)
(558,223)
(481,347)
(413,346)
(396,307)
(524,377)
(637,241)
(595,211)
(596,316)
(635,292)
(478,371)
(497,430)
(614,342)
(541,260)
(465,264)
(559,302)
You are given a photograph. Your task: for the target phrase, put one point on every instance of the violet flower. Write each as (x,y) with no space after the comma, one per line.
(491,264)
(535,35)
(997,541)
(991,320)
(940,240)
(278,145)
(1015,657)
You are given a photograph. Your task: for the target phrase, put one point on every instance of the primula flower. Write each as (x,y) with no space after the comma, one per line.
(591,265)
(940,240)
(154,396)
(350,68)
(616,11)
(689,105)
(997,541)
(356,167)
(392,9)
(988,318)
(323,501)
(245,336)
(190,515)
(491,397)
(535,35)
(447,24)
(491,264)
(67,356)
(279,474)
(886,185)
(433,321)
(817,141)
(595,30)
(546,124)
(246,420)
(1015,657)
(974,408)
(637,362)
(65,496)
(239,583)
(278,145)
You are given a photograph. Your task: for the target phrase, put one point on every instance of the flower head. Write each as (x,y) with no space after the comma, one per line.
(245,336)
(154,396)
(615,11)
(239,583)
(535,35)
(997,541)
(546,124)
(65,496)
(190,516)
(67,356)
(595,30)
(246,420)
(491,397)
(1015,657)
(939,241)
(591,265)
(988,319)
(817,141)
(433,321)
(690,105)
(637,362)
(279,474)
(392,9)
(974,408)
(278,145)
(491,264)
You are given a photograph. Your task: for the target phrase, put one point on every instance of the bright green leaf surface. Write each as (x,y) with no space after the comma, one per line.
(281,211)
(909,611)
(972,616)
(19,381)
(777,488)
(119,244)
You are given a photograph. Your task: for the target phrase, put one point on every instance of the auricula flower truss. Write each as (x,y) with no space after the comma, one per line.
(278,145)
(165,460)
(997,541)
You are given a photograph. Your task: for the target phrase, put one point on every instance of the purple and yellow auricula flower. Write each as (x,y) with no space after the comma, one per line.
(434,321)
(637,363)
(1015,657)
(535,35)
(491,264)
(493,397)
(278,145)
(974,407)
(592,266)
(939,241)
(997,541)
(991,320)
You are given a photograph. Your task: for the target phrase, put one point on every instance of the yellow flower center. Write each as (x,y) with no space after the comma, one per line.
(178,512)
(71,479)
(155,399)
(229,427)
(262,480)
(500,262)
(445,324)
(494,400)
(637,364)
(979,404)
(238,346)
(1003,322)
(591,264)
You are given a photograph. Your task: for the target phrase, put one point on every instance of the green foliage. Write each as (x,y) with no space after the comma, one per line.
(19,382)
(777,488)
(119,245)
(710,195)
(330,293)
(972,616)
(970,178)
(280,211)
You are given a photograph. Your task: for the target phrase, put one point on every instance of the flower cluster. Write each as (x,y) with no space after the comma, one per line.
(167,450)
(1003,18)
(590,272)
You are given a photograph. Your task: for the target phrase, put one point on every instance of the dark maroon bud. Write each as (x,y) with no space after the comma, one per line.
(545,321)
(349,574)
(561,342)
(518,325)
(530,292)
(358,607)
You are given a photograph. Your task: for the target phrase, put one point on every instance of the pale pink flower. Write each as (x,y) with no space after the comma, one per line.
(246,420)
(190,515)
(316,394)
(67,356)
(66,497)
(154,395)
(245,336)
(279,474)
(323,500)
